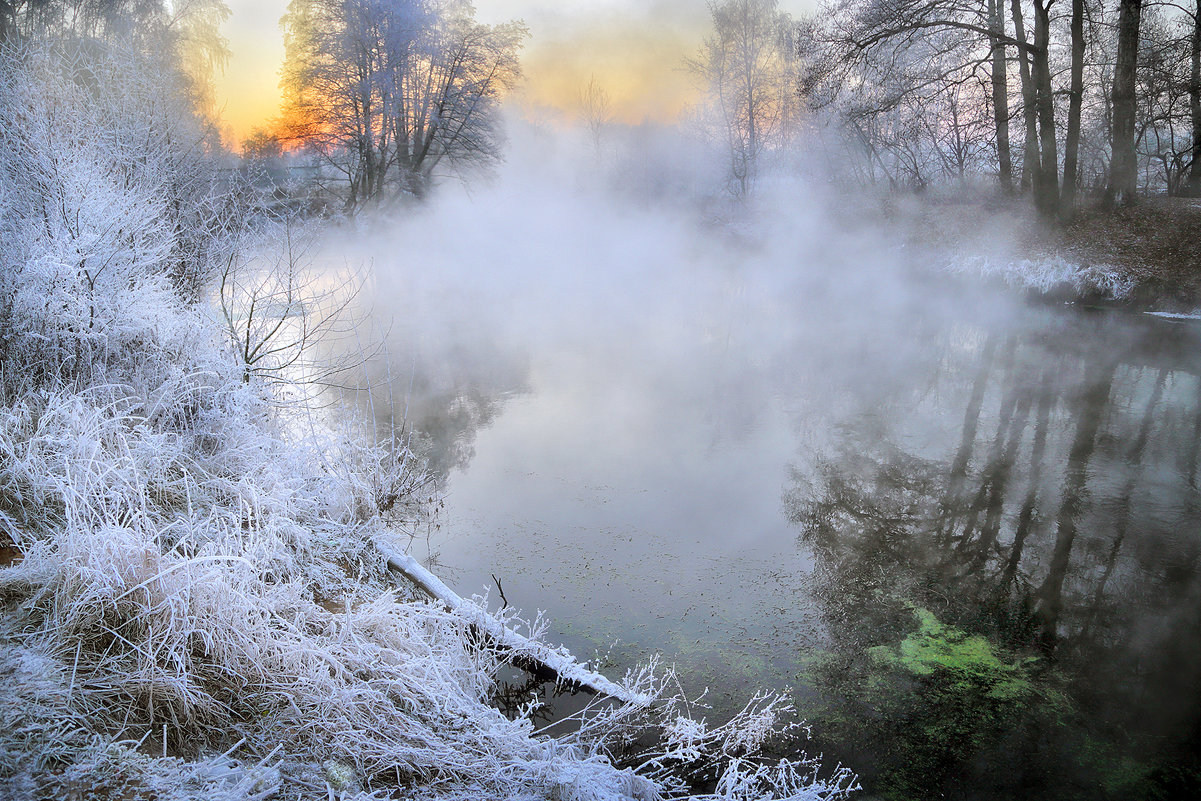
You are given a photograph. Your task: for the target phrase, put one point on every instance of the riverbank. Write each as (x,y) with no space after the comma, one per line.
(1157,243)
(1144,256)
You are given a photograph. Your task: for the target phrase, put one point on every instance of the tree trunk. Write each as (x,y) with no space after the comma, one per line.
(1071,147)
(1030,161)
(1000,98)
(1194,102)
(1123,169)
(1046,187)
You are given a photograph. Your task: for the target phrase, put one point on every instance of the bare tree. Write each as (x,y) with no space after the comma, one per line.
(388,91)
(1071,147)
(746,65)
(999,77)
(891,52)
(1188,79)
(597,111)
(922,52)
(1123,175)
(280,312)
(1195,100)
(1163,141)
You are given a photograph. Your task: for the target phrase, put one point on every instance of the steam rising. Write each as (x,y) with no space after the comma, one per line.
(616,262)
(658,355)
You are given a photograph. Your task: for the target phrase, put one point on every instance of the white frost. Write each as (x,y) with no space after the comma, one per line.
(200,609)
(1050,273)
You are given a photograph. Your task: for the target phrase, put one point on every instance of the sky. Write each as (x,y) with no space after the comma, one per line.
(633,48)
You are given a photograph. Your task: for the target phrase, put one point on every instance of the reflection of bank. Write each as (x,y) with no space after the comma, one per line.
(1059,522)
(442,394)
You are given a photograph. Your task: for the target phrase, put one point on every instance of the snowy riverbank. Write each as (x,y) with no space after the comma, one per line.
(193,600)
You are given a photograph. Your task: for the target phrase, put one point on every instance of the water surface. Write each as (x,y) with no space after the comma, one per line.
(961,529)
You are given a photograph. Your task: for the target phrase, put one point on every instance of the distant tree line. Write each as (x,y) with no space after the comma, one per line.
(1056,98)
(1061,99)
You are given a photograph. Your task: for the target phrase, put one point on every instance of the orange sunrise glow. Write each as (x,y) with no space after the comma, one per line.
(248,93)
(635,50)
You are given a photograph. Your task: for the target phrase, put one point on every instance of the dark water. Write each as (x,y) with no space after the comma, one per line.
(968,540)
(1012,606)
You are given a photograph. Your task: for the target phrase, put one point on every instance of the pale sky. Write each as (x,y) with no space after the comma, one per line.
(634,48)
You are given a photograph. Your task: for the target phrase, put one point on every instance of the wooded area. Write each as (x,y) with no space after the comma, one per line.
(1105,99)
(1069,102)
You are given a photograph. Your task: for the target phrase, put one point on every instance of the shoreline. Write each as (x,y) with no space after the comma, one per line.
(1145,257)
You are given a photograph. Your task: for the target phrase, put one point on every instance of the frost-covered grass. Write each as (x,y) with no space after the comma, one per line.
(198,609)
(1051,274)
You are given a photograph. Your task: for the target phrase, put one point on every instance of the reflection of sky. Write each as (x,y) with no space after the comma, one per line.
(633,48)
(615,502)
(634,491)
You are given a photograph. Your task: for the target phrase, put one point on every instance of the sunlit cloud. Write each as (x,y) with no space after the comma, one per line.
(640,70)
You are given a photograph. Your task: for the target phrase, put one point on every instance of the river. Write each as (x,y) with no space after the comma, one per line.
(961,528)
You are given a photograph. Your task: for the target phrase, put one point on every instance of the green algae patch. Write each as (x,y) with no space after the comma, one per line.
(962,662)
(940,698)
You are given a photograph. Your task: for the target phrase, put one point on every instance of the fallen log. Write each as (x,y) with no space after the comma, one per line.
(539,659)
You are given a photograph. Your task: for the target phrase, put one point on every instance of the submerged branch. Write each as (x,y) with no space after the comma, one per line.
(527,654)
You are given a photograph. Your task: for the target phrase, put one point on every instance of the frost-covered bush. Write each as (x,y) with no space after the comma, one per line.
(286,317)
(108,207)
(192,603)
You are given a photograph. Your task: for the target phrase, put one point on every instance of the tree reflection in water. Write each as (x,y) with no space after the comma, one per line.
(1013,607)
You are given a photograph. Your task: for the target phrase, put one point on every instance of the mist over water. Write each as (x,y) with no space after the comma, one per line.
(755,438)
